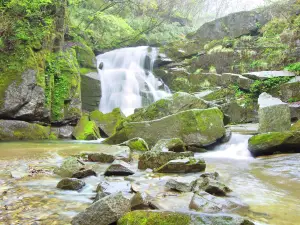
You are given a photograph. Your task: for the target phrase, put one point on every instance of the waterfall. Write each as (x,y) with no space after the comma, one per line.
(127,79)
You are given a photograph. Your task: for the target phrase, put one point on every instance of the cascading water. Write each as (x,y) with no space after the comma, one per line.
(127,80)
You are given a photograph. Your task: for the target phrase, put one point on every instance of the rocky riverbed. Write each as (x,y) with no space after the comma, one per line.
(264,189)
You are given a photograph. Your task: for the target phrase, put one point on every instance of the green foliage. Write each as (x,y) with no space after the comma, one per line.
(294,67)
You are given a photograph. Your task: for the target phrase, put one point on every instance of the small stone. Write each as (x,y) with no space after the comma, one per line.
(84,173)
(183,184)
(174,145)
(187,165)
(100,157)
(119,168)
(211,186)
(70,184)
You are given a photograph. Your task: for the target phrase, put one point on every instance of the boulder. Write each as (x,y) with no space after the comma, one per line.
(69,166)
(100,157)
(164,217)
(274,142)
(295,110)
(187,165)
(84,173)
(182,184)
(274,115)
(86,129)
(207,203)
(105,211)
(119,168)
(90,91)
(152,159)
(107,122)
(63,132)
(211,186)
(239,80)
(13,130)
(70,184)
(264,75)
(136,144)
(195,127)
(178,102)
(290,91)
(173,145)
(106,188)
(228,27)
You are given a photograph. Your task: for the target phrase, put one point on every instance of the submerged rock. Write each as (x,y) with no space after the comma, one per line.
(70,184)
(136,144)
(165,217)
(173,145)
(106,188)
(69,166)
(119,168)
(274,115)
(84,173)
(109,121)
(187,165)
(13,130)
(195,127)
(274,142)
(152,159)
(105,211)
(100,157)
(86,129)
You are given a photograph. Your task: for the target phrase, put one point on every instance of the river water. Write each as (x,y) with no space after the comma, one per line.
(269,185)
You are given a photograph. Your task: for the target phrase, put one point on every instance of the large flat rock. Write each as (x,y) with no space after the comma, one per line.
(263,75)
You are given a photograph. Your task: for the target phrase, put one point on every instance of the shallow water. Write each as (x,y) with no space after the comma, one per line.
(270,185)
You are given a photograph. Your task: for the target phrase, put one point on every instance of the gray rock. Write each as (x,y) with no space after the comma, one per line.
(70,184)
(274,115)
(211,186)
(227,136)
(65,132)
(69,166)
(263,75)
(183,184)
(13,130)
(119,168)
(154,159)
(173,145)
(90,91)
(106,188)
(105,211)
(25,100)
(136,144)
(139,200)
(228,27)
(239,80)
(100,157)
(295,111)
(84,173)
(187,165)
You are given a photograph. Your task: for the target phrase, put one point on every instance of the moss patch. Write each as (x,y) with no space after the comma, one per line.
(86,129)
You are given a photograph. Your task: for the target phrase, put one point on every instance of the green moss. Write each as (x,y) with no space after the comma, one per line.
(53,136)
(296,126)
(84,70)
(154,218)
(273,138)
(219,94)
(86,129)
(85,56)
(137,144)
(30,132)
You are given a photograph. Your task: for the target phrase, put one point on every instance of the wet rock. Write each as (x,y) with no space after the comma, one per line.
(70,184)
(105,211)
(173,145)
(13,130)
(274,115)
(100,157)
(226,137)
(295,110)
(183,184)
(187,165)
(119,168)
(90,91)
(65,132)
(250,129)
(214,175)
(136,144)
(106,188)
(139,201)
(207,203)
(109,121)
(263,75)
(84,173)
(211,186)
(194,127)
(274,143)
(86,129)
(69,166)
(167,217)
(154,159)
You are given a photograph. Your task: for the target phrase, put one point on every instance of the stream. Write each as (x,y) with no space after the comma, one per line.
(269,185)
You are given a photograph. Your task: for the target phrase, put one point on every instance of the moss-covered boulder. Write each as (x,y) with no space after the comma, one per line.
(70,184)
(174,145)
(13,130)
(187,165)
(178,102)
(109,121)
(296,126)
(195,127)
(85,56)
(68,167)
(86,129)
(274,143)
(169,218)
(136,144)
(153,159)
